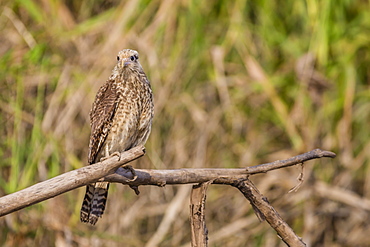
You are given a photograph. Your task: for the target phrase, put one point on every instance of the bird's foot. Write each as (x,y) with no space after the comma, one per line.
(133,172)
(118,154)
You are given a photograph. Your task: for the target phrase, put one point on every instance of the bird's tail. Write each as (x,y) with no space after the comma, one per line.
(94,202)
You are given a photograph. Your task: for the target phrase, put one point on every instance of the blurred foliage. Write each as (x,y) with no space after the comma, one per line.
(236,83)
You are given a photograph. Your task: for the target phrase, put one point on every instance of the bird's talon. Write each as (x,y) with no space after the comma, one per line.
(132,170)
(118,154)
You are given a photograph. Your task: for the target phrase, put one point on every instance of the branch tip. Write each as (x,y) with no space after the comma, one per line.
(323,153)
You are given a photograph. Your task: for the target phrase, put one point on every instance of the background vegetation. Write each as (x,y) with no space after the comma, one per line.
(236,83)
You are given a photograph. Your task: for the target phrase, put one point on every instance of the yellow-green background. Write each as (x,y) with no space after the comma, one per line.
(236,83)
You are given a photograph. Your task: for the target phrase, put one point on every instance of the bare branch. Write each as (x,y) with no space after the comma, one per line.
(199,231)
(110,170)
(90,174)
(314,154)
(66,182)
(259,202)
(201,175)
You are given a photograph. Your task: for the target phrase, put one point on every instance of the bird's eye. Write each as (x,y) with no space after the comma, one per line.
(117,58)
(132,58)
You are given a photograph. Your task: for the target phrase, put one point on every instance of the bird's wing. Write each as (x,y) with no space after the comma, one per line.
(101,115)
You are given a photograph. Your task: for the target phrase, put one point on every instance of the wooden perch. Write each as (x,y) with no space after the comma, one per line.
(110,170)
(66,182)
(200,175)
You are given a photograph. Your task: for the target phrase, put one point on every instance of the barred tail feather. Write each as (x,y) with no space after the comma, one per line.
(86,204)
(94,202)
(98,201)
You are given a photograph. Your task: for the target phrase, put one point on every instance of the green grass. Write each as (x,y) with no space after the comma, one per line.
(228,93)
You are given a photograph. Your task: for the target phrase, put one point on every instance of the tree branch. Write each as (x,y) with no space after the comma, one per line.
(66,182)
(105,169)
(199,231)
(109,170)
(265,211)
(200,175)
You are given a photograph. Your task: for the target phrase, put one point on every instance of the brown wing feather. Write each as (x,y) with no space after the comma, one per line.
(101,115)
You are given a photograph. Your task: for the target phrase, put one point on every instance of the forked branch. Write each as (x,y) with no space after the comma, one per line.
(110,170)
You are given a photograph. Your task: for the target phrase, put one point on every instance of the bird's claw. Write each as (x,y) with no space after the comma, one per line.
(118,154)
(132,170)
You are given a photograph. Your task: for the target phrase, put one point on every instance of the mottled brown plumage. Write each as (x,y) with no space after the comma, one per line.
(121,118)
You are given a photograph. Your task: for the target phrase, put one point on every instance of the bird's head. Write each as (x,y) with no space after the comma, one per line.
(128,59)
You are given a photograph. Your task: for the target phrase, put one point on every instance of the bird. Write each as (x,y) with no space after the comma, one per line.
(120,119)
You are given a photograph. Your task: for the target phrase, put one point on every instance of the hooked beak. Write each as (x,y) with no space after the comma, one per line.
(126,62)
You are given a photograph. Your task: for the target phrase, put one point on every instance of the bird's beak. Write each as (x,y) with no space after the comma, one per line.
(126,62)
